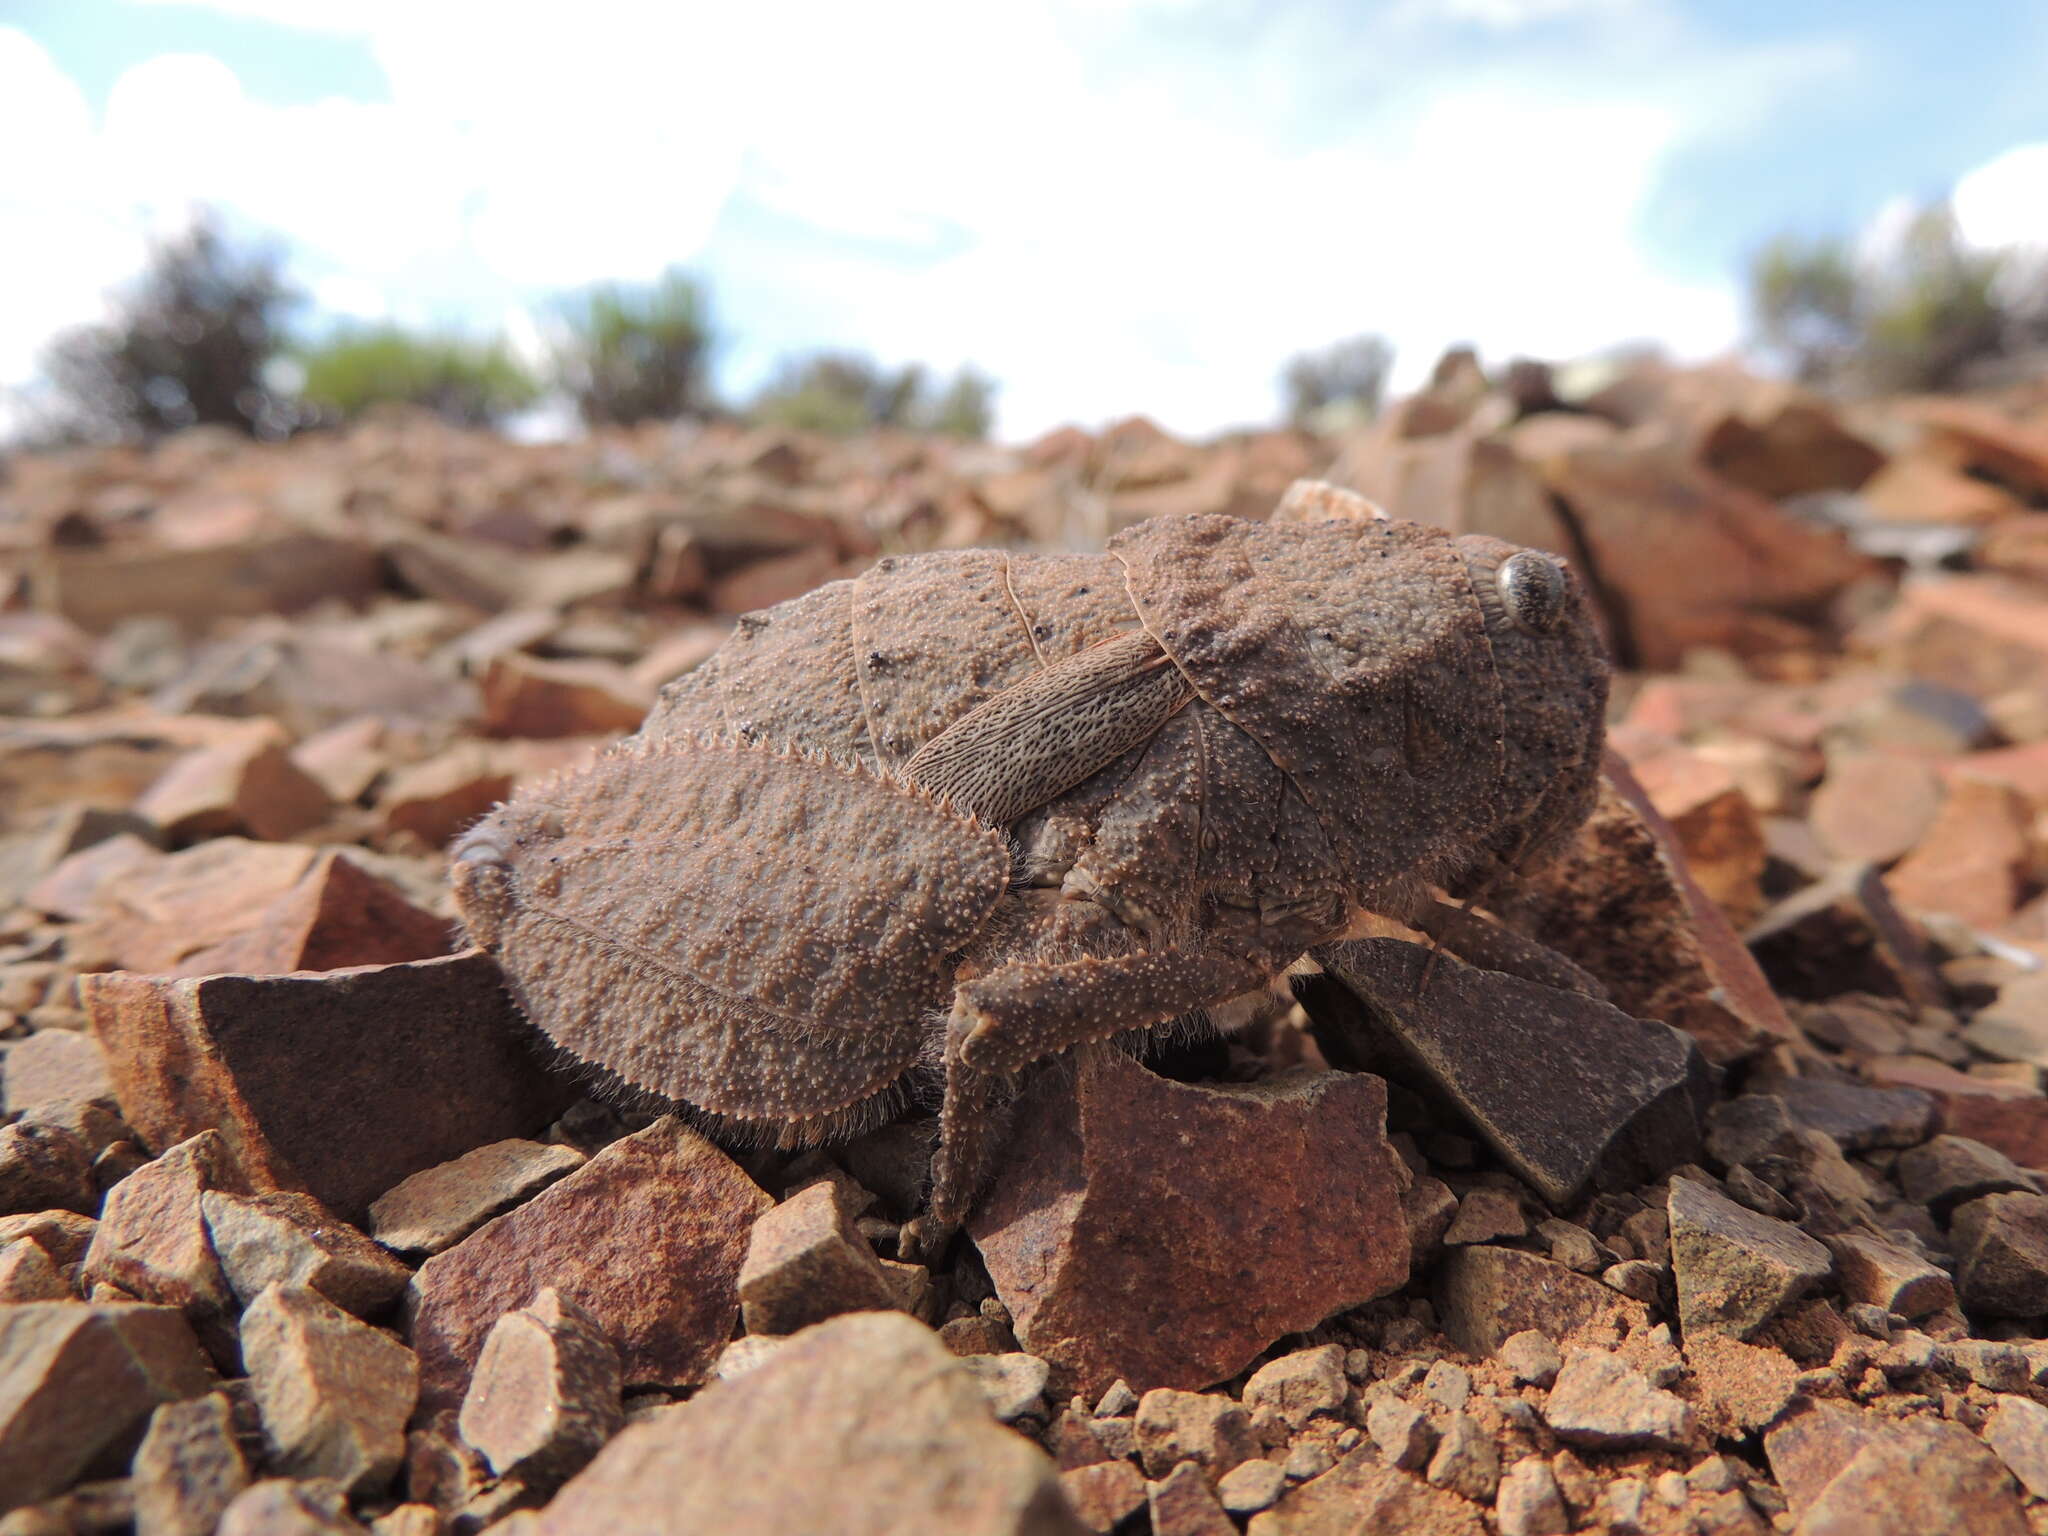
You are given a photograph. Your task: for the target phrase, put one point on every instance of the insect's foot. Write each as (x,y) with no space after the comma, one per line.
(923,1240)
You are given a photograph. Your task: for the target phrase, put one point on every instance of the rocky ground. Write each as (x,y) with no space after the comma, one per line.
(1729,1225)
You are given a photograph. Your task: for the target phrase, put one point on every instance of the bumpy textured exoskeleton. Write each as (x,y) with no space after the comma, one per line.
(971,809)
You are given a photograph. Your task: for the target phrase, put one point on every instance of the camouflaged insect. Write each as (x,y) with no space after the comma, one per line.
(970,809)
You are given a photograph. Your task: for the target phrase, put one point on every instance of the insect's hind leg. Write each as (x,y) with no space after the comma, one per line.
(1028,1010)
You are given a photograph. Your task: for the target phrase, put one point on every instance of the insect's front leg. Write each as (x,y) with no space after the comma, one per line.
(1028,1010)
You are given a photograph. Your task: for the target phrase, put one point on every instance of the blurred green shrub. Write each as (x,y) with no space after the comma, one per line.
(470,382)
(186,346)
(1339,385)
(637,352)
(1918,316)
(845,392)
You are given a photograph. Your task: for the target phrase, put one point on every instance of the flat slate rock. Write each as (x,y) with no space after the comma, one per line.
(338,1083)
(1736,1270)
(647,1237)
(1127,1240)
(1485,1295)
(796,1446)
(1567,1090)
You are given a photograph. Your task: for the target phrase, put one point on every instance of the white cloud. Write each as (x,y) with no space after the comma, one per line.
(1108,206)
(2004,202)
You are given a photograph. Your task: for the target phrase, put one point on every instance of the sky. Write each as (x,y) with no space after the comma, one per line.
(1110,206)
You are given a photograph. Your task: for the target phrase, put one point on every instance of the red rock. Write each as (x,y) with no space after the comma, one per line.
(648,1237)
(337,915)
(1124,1241)
(334,1393)
(1105,1494)
(1917,1477)
(1843,934)
(415,1064)
(1716,825)
(79,1381)
(545,1397)
(152,1241)
(1874,806)
(1918,490)
(1693,559)
(2008,1116)
(55,1067)
(524,696)
(99,761)
(1972,862)
(154,917)
(276,573)
(1360,1494)
(806,1262)
(293,1240)
(72,888)
(2024,767)
(249,786)
(44,1167)
(436,799)
(345,759)
(796,1446)
(1623,904)
(1486,1295)
(438,1207)
(765,583)
(2017,546)
(1979,634)
(1182,1505)
(1972,435)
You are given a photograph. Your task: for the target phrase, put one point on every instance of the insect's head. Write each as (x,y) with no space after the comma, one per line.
(1553,674)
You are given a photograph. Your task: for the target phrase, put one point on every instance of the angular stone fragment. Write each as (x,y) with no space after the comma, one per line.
(806,1262)
(280,1506)
(1567,1090)
(2001,1244)
(1125,1242)
(334,916)
(416,1063)
(1402,1432)
(1466,1461)
(525,696)
(55,1066)
(438,1207)
(2017,1431)
(1873,806)
(153,918)
(1600,1403)
(78,1381)
(1874,1271)
(1483,1295)
(1175,1426)
(44,1168)
(1843,934)
(152,1241)
(28,1273)
(1360,1494)
(1973,862)
(1622,903)
(797,1446)
(1914,1478)
(1182,1505)
(1948,1171)
(434,800)
(1529,1502)
(647,1237)
(334,1392)
(1736,1270)
(1531,1357)
(1251,1486)
(1857,1117)
(290,1239)
(1487,1215)
(1015,1382)
(545,1396)
(188,1469)
(64,1235)
(245,786)
(1300,1385)
(1104,1494)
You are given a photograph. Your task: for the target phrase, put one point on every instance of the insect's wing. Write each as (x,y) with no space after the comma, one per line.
(755,932)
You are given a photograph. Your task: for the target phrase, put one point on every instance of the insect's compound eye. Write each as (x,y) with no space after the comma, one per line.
(479,847)
(1533,588)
